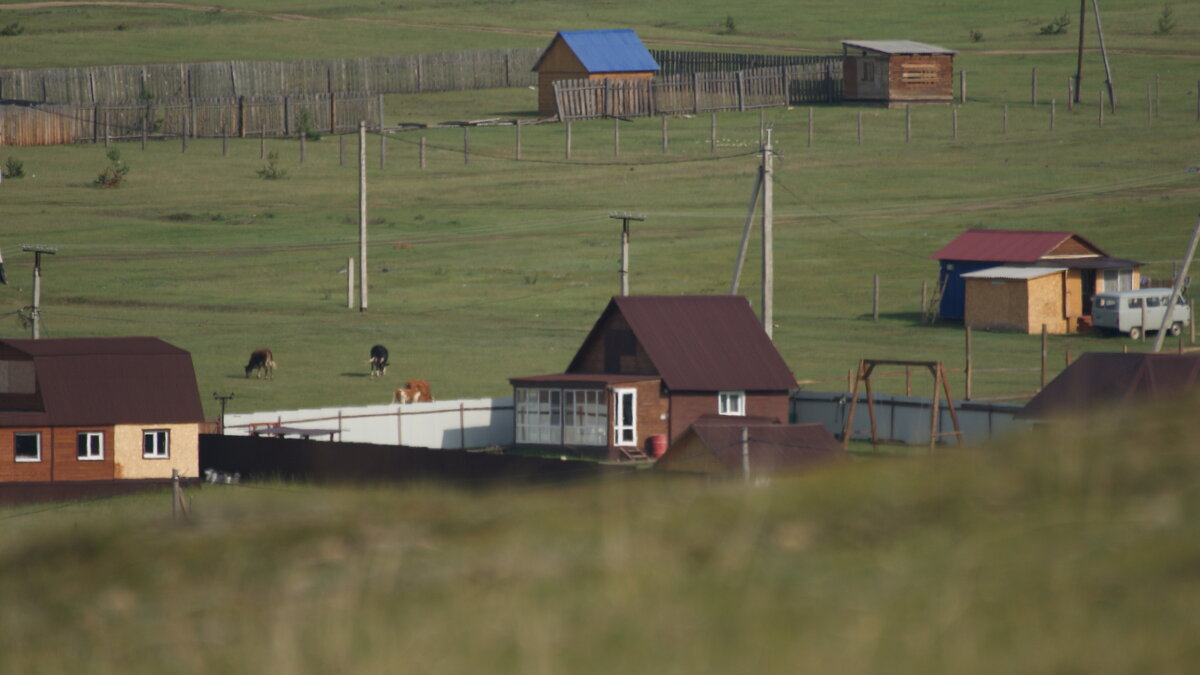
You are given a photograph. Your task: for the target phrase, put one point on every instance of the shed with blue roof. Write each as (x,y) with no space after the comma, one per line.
(590,55)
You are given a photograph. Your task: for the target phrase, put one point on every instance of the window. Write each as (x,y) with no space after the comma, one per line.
(539,413)
(1135,303)
(89,445)
(731,403)
(625,416)
(156,444)
(868,70)
(1156,302)
(1118,280)
(27,446)
(585,417)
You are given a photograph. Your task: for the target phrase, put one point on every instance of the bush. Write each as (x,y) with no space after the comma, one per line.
(14,168)
(272,171)
(12,29)
(730,26)
(306,127)
(1166,21)
(976,35)
(1056,27)
(113,175)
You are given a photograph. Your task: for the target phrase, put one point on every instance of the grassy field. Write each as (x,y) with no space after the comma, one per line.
(1072,553)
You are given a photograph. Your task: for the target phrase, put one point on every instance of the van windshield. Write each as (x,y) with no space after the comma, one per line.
(1106,303)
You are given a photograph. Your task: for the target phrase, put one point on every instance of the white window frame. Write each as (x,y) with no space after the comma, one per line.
(35,434)
(538,415)
(156,444)
(89,452)
(585,417)
(624,430)
(731,403)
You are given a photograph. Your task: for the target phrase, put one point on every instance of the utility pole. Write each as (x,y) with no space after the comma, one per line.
(768,244)
(625,217)
(1079,59)
(223,399)
(36,310)
(741,258)
(1176,289)
(362,216)
(1112,95)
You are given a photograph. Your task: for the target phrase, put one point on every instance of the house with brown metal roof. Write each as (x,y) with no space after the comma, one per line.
(1018,280)
(1100,382)
(649,368)
(97,409)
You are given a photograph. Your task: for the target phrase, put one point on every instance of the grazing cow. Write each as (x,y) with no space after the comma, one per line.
(262,361)
(379,361)
(413,391)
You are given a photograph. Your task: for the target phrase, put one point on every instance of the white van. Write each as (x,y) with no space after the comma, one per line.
(1121,311)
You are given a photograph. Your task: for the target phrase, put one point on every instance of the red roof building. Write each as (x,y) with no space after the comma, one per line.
(1098,381)
(1063,302)
(651,366)
(97,409)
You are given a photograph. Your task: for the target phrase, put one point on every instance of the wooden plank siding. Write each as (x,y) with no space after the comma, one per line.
(899,78)
(699,92)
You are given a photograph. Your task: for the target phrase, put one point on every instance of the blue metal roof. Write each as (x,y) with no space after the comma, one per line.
(616,50)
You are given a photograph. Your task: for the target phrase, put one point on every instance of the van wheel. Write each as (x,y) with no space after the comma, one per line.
(1175,329)
(1135,333)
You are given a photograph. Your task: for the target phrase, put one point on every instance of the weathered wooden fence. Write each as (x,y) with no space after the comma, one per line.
(445,71)
(817,82)
(56,124)
(679,62)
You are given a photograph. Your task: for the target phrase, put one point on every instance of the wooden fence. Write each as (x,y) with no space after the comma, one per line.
(446,71)
(675,63)
(817,82)
(56,124)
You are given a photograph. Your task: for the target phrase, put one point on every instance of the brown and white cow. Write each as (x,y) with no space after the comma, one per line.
(414,391)
(262,361)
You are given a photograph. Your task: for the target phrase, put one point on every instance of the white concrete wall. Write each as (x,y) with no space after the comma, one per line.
(464,423)
(905,419)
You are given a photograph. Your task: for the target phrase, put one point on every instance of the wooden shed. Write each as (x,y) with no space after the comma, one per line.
(896,72)
(651,366)
(1088,271)
(590,55)
(1016,299)
(97,409)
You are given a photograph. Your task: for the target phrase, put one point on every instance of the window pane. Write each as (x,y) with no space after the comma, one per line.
(27,447)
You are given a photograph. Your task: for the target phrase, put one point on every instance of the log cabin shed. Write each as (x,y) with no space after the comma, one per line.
(650,367)
(590,55)
(97,409)
(714,447)
(896,72)
(1019,279)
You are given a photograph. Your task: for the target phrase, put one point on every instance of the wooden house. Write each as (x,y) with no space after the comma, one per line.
(97,409)
(896,72)
(1020,279)
(650,367)
(723,447)
(616,54)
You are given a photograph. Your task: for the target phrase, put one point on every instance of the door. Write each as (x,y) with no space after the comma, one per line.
(624,416)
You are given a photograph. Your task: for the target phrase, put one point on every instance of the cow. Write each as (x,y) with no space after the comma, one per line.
(262,361)
(413,392)
(378,361)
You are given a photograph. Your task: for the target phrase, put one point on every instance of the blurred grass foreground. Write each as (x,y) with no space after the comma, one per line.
(1072,549)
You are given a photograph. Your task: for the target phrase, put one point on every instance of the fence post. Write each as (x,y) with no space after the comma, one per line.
(616,137)
(1051,114)
(518,125)
(696,93)
(287,116)
(1043,386)
(741,90)
(907,122)
(1033,89)
(183,141)
(860,127)
(712,132)
(810,126)
(954,124)
(303,145)
(962,86)
(969,367)
(1157,96)
(225,141)
(462,427)
(568,140)
(1149,107)
(349,283)
(924,299)
(421,154)
(875,299)
(1005,127)
(1070,93)
(466,145)
(664,134)
(262,141)
(341,150)
(241,118)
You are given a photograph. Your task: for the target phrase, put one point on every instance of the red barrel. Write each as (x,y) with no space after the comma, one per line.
(658,445)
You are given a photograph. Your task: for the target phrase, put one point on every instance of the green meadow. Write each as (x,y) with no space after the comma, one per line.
(1065,550)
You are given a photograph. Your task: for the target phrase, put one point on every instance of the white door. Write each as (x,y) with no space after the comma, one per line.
(625,416)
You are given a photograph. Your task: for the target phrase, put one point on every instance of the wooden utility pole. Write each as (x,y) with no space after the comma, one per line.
(1112,95)
(36,310)
(625,217)
(741,258)
(768,237)
(362,216)
(1079,60)
(746,454)
(1176,289)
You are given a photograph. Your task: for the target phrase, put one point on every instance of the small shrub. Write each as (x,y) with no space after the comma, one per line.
(272,171)
(730,26)
(306,127)
(976,35)
(12,29)
(113,175)
(1056,27)
(14,168)
(122,26)
(1166,21)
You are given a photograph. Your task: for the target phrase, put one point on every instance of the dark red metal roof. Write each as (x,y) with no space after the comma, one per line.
(770,447)
(105,381)
(1013,246)
(1098,380)
(586,379)
(700,342)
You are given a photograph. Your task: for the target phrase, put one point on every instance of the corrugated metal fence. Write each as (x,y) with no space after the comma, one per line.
(816,82)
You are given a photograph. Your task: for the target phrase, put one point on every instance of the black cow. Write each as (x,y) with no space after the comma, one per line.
(379,360)
(263,361)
